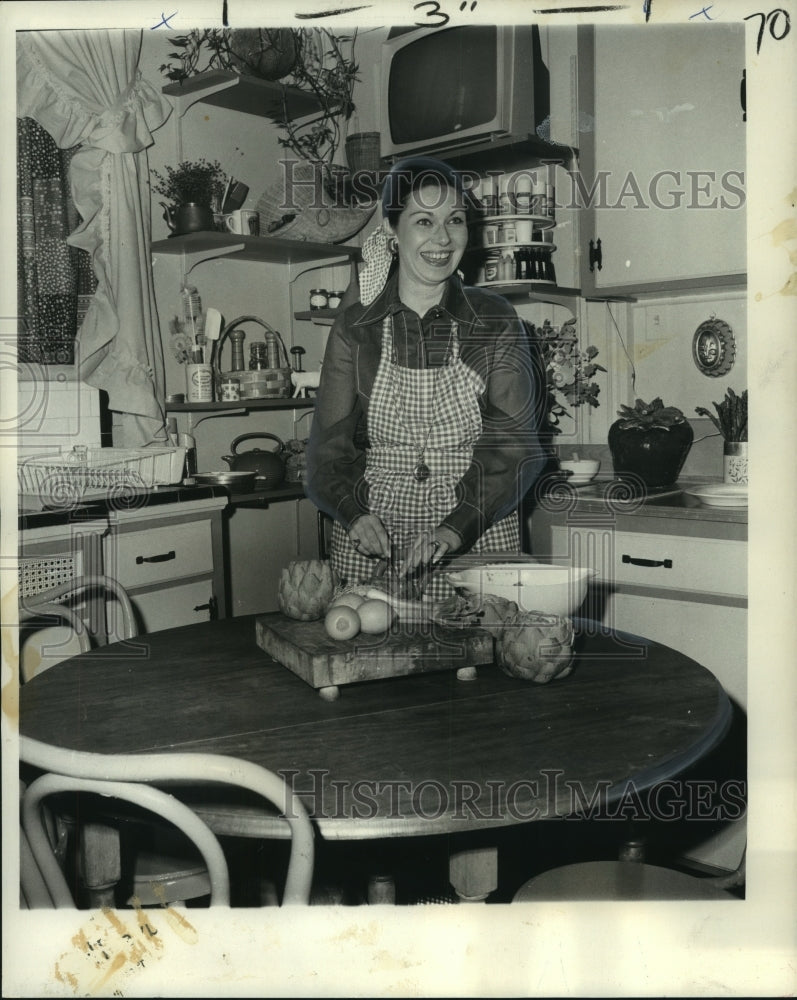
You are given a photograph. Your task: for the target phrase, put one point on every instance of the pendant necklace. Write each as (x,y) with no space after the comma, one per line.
(421,470)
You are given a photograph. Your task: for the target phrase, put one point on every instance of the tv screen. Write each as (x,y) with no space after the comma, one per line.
(443,83)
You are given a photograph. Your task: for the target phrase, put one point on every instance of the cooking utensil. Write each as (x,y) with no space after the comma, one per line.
(237,482)
(268,466)
(212,330)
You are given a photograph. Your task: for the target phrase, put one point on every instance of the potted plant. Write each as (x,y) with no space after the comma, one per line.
(193,190)
(650,441)
(266,53)
(731,422)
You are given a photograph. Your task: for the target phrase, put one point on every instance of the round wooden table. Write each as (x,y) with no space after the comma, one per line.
(408,756)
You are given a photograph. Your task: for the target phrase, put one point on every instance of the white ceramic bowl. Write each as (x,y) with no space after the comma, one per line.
(582,471)
(558,590)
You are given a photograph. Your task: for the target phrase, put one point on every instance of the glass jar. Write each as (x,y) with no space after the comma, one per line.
(334,300)
(319,298)
(258,358)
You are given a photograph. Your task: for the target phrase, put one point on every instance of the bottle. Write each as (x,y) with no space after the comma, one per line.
(507,267)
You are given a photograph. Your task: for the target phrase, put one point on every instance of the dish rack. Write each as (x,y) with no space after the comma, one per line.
(90,472)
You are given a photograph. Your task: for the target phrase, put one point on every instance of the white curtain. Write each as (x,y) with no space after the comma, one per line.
(84,87)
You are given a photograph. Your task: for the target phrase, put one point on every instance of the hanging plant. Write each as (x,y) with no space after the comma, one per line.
(314,60)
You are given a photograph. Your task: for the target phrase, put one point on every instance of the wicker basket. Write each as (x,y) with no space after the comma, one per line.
(263,383)
(309,215)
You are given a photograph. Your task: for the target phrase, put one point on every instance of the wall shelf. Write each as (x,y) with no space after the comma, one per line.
(536,291)
(225,89)
(283,403)
(323,317)
(198,247)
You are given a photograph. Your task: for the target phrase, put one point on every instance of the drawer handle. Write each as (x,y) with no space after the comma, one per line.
(666,563)
(163,557)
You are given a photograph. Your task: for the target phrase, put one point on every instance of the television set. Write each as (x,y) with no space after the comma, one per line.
(449,87)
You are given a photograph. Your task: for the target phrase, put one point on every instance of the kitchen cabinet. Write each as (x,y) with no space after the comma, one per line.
(171,562)
(662,157)
(679,577)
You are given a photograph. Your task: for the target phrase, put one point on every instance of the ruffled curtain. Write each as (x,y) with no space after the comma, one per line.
(84,88)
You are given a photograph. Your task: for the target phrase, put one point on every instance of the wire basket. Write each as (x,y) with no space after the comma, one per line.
(86,472)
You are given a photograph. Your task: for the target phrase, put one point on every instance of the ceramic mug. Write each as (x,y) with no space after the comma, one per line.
(242,222)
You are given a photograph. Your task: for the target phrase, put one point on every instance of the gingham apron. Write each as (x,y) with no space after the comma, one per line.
(428,414)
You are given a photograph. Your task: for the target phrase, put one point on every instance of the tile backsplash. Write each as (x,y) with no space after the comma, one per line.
(52,416)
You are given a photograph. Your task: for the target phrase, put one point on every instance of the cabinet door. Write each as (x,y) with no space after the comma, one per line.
(663,144)
(155,610)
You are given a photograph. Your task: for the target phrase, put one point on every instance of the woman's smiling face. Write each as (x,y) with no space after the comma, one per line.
(432,233)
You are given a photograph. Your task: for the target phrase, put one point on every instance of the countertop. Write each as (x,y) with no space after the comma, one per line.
(605,496)
(32,514)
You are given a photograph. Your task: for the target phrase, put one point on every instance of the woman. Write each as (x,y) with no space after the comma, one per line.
(423,440)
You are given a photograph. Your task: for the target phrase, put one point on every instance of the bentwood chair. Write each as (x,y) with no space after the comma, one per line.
(165,867)
(133,778)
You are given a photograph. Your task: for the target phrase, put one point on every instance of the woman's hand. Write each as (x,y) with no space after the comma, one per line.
(367,534)
(429,547)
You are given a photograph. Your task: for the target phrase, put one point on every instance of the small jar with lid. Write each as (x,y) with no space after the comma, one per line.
(319,298)
(492,266)
(333,301)
(258,358)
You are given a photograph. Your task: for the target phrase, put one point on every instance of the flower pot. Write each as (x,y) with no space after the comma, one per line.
(363,151)
(188,218)
(656,455)
(734,462)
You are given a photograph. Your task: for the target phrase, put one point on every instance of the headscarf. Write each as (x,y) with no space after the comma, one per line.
(376,250)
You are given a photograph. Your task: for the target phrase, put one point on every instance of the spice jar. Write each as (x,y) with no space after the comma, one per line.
(319,298)
(334,300)
(258,358)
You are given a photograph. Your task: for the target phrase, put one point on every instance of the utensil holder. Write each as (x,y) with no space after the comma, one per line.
(734,462)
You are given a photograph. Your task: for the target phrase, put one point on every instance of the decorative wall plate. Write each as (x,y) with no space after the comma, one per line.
(714,347)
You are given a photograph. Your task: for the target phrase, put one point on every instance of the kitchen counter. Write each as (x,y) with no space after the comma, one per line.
(33,514)
(602,499)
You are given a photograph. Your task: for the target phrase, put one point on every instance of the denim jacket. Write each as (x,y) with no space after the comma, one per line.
(507,458)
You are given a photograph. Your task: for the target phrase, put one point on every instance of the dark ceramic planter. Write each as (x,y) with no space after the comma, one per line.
(192,218)
(656,456)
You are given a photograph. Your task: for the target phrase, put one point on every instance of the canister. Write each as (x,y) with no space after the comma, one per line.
(319,298)
(492,264)
(199,383)
(523,186)
(230,389)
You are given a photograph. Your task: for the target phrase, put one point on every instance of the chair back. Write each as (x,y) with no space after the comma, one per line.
(62,632)
(133,778)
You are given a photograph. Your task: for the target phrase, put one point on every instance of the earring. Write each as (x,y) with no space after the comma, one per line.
(392,245)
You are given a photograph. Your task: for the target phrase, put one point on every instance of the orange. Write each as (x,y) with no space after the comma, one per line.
(348,600)
(375,616)
(341,622)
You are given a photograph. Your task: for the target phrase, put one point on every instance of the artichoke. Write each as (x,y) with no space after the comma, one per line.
(535,646)
(306,589)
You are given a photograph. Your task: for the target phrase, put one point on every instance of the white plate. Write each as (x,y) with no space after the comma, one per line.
(721,495)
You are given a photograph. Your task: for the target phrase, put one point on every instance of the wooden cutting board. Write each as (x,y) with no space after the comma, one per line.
(325,663)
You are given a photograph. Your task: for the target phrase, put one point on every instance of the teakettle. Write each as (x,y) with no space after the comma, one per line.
(268,466)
